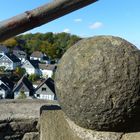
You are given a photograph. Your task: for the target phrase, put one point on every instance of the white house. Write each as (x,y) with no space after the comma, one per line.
(46,59)
(47,70)
(9,61)
(46,90)
(3,50)
(24,86)
(6,86)
(31,67)
(21,55)
(37,55)
(3,91)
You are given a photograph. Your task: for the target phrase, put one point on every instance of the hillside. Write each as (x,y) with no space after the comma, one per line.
(53,45)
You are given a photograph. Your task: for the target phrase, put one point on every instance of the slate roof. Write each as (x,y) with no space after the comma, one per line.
(7,82)
(50,83)
(36,54)
(35,63)
(24,80)
(2,86)
(19,53)
(18,48)
(12,57)
(47,66)
(46,58)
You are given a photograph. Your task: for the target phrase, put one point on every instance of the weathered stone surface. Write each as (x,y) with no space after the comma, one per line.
(3,127)
(97,83)
(31,136)
(56,126)
(53,126)
(87,134)
(18,117)
(13,137)
(21,109)
(23,126)
(15,129)
(131,136)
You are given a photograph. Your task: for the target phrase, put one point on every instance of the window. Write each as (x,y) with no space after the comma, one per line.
(43,89)
(38,95)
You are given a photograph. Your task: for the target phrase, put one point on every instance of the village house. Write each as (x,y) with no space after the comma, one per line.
(47,70)
(9,61)
(3,91)
(37,82)
(31,67)
(3,50)
(46,90)
(46,60)
(6,86)
(21,55)
(41,69)
(37,55)
(23,86)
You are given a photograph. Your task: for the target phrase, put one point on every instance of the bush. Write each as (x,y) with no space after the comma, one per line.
(20,71)
(22,95)
(33,77)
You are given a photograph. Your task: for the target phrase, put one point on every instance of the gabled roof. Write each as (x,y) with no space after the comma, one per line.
(3,87)
(36,54)
(50,83)
(7,82)
(19,53)
(24,80)
(34,63)
(18,48)
(47,66)
(12,57)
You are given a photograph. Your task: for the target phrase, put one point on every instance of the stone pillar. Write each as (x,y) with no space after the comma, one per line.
(54,125)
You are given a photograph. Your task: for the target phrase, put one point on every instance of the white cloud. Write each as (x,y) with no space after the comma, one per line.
(96,25)
(66,30)
(78,20)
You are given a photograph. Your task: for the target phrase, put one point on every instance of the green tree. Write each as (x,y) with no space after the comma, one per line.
(33,77)
(53,45)
(22,95)
(20,71)
(10,42)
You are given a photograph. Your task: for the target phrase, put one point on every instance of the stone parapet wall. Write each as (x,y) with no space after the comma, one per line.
(54,125)
(22,109)
(16,129)
(19,119)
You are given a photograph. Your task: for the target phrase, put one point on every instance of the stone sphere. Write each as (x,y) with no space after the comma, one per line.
(98,83)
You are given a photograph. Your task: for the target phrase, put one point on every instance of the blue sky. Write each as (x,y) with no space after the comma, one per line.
(105,17)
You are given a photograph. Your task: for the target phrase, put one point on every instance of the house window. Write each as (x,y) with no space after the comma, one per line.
(43,89)
(38,95)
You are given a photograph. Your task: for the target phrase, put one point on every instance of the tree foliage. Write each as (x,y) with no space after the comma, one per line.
(33,77)
(11,42)
(53,45)
(20,71)
(22,95)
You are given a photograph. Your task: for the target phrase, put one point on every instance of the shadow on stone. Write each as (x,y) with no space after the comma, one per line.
(49,107)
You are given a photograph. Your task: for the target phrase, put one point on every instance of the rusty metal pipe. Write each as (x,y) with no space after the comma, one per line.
(39,16)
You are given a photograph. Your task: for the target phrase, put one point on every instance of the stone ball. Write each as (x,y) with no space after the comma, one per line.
(98,83)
